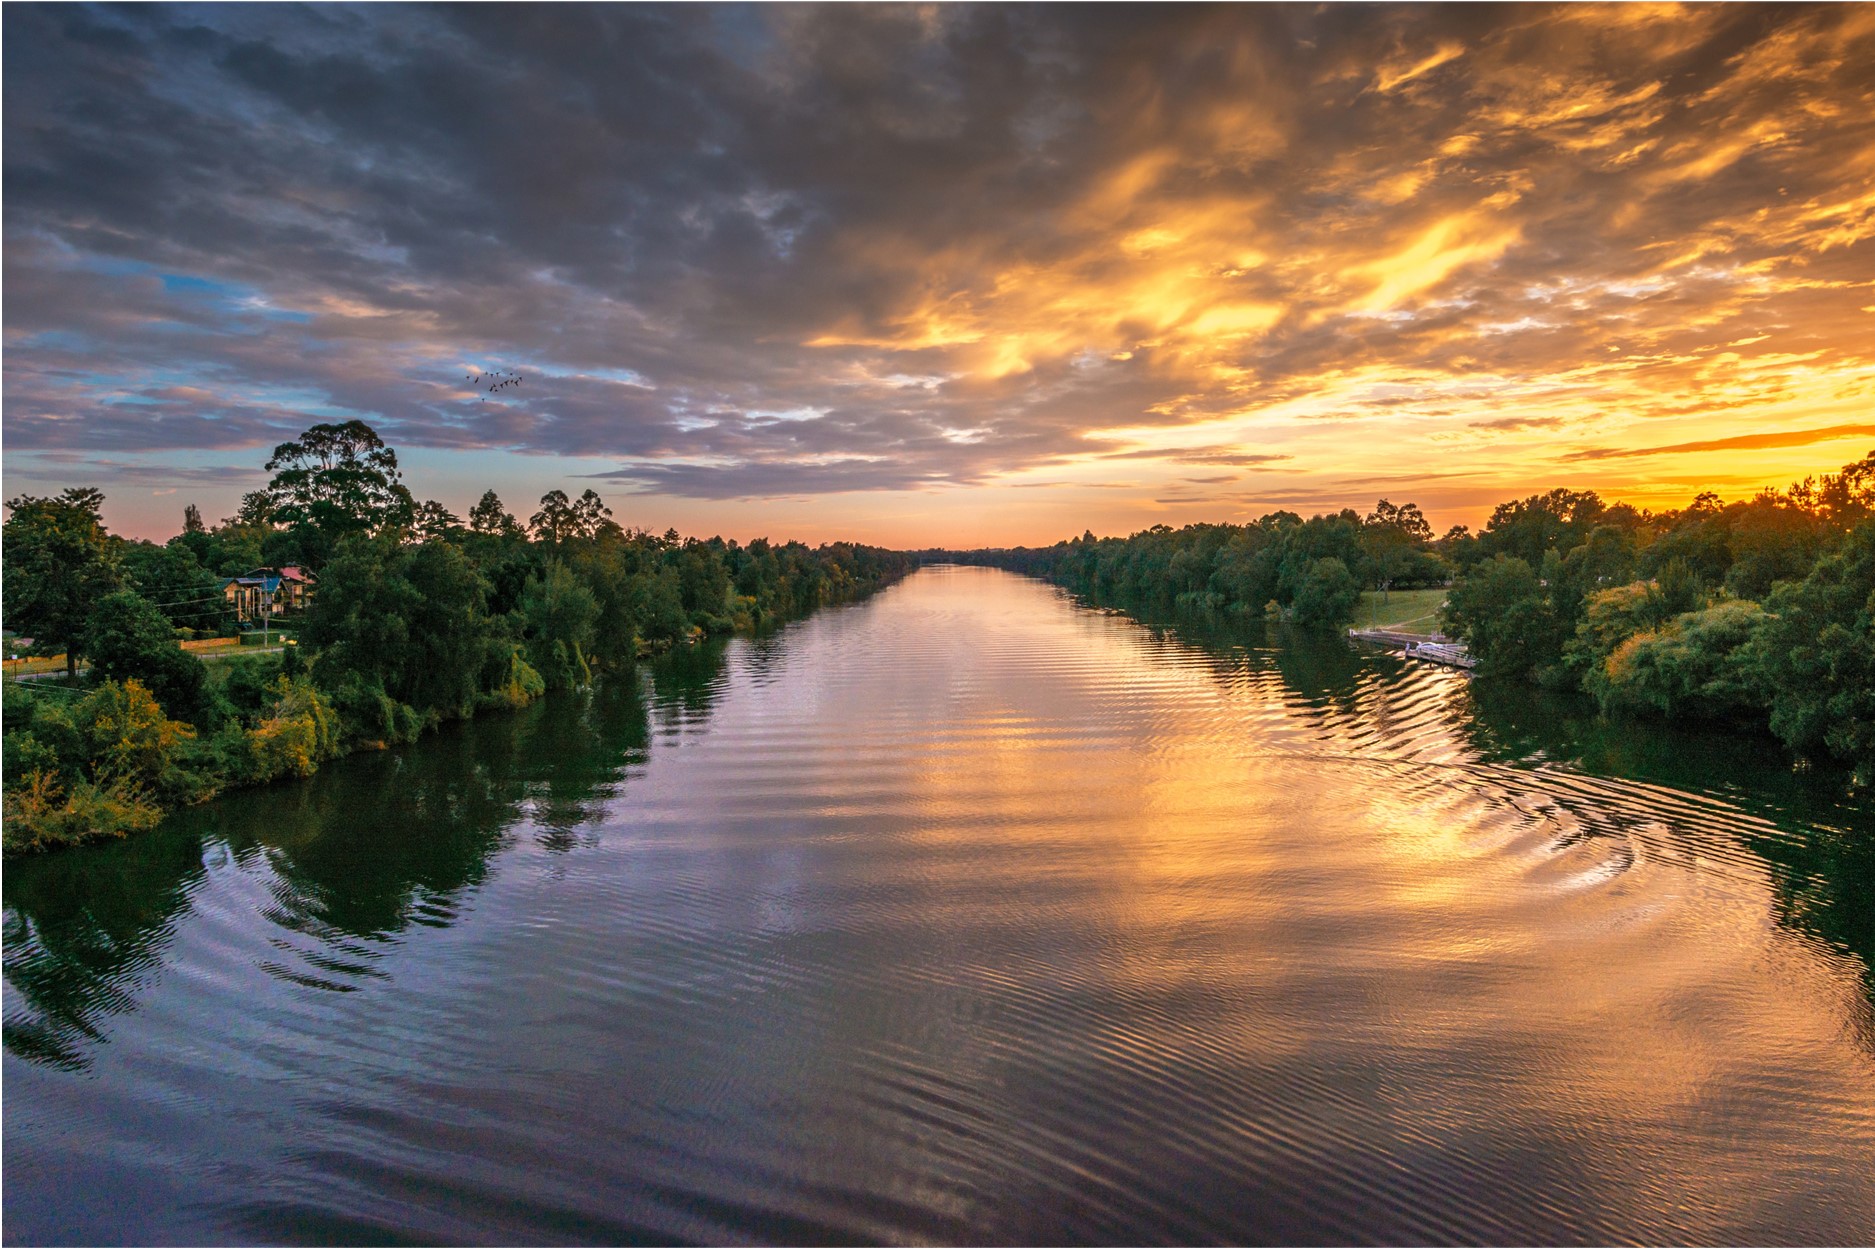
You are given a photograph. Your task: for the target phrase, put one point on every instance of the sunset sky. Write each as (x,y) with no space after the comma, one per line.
(942,275)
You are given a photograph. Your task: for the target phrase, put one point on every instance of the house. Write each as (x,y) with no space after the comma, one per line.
(279,591)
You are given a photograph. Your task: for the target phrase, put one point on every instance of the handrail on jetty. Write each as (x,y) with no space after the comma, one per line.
(1437,649)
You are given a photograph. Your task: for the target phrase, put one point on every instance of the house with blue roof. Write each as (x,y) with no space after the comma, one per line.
(269,592)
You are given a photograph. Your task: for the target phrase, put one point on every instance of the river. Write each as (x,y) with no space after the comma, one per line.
(967,913)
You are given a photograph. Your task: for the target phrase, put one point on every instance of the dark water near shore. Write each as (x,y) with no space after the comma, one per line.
(967,914)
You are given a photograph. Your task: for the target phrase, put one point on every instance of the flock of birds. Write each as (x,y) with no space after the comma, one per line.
(492,381)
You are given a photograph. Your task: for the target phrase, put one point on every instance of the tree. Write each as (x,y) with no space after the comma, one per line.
(338,480)
(433,522)
(192,520)
(1328,595)
(59,562)
(255,512)
(591,514)
(1528,527)
(127,639)
(1407,519)
(174,581)
(559,612)
(1699,664)
(489,518)
(407,624)
(1816,651)
(561,519)
(1504,617)
(556,521)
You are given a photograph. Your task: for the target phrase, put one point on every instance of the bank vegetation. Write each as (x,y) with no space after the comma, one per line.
(419,617)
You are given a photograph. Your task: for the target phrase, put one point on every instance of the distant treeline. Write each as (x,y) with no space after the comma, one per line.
(1308,571)
(417,618)
(1758,613)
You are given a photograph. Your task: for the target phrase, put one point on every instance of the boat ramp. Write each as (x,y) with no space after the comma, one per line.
(1437,648)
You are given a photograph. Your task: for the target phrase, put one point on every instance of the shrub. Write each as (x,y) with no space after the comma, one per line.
(515,684)
(300,733)
(1697,664)
(42,810)
(369,716)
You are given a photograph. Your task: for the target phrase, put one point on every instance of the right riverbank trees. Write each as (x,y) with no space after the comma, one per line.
(1758,613)
(418,619)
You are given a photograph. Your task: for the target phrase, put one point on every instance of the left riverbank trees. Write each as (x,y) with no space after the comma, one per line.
(419,619)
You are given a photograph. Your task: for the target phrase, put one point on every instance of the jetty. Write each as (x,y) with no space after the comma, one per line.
(1437,648)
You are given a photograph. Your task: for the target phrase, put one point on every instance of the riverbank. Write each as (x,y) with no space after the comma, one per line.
(88,762)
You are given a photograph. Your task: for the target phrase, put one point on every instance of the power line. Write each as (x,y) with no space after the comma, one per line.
(211,598)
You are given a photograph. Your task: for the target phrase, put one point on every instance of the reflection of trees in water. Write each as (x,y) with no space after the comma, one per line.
(1319,673)
(687,683)
(82,936)
(1821,854)
(358,854)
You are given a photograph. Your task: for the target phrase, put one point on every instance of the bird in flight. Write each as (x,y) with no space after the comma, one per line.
(493,381)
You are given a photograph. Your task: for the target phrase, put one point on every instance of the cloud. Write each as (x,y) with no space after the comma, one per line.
(1743,442)
(793,251)
(1215,453)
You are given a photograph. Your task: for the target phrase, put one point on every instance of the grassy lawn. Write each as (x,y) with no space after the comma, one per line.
(204,647)
(1408,611)
(35,665)
(201,648)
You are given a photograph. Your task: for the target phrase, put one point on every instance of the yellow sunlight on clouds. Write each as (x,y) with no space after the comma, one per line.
(1526,248)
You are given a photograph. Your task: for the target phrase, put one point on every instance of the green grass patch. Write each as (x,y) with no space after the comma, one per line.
(1407,611)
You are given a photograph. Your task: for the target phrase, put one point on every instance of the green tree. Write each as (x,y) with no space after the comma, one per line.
(58,562)
(1700,664)
(1817,655)
(556,521)
(1328,595)
(488,518)
(591,514)
(1526,528)
(400,627)
(338,480)
(562,520)
(559,613)
(432,522)
(127,639)
(1505,618)
(173,580)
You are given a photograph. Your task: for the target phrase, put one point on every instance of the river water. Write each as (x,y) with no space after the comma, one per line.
(967,913)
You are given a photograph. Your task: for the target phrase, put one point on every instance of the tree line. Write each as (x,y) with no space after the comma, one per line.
(418,617)
(1758,613)
(1310,572)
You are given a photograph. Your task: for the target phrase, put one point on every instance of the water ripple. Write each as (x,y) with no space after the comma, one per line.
(963,915)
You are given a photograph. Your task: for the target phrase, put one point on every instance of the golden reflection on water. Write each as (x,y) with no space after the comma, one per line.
(1621,979)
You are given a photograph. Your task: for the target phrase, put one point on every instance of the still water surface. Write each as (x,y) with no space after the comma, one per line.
(967,913)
